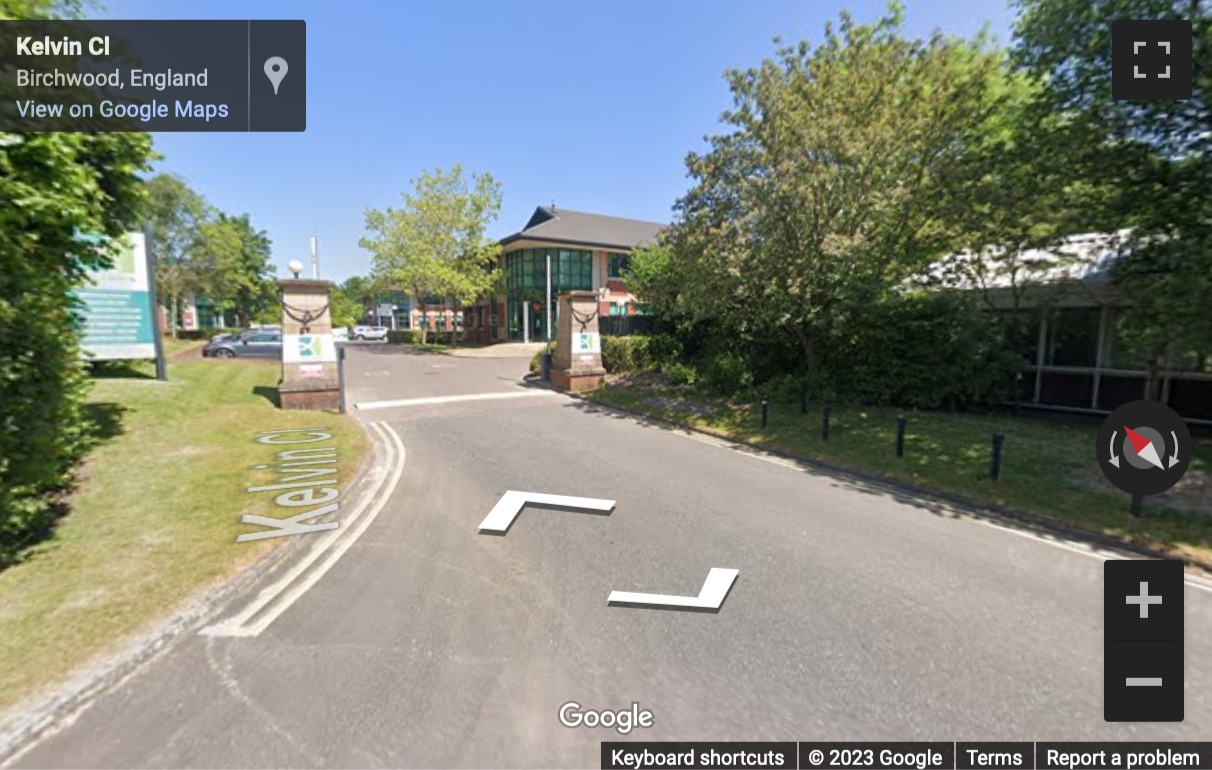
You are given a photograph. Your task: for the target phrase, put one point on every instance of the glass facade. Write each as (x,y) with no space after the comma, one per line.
(526,282)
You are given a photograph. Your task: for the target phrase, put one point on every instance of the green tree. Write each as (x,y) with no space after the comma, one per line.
(1012,199)
(349,300)
(56,188)
(174,215)
(436,244)
(831,188)
(41,9)
(1152,157)
(230,260)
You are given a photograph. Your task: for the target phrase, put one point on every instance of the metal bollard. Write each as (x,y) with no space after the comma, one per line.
(825,422)
(1137,507)
(900,437)
(804,398)
(995,466)
(341,379)
(765,411)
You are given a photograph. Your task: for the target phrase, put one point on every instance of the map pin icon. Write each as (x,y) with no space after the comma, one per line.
(275,70)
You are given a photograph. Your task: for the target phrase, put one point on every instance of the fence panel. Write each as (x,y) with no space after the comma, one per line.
(626,325)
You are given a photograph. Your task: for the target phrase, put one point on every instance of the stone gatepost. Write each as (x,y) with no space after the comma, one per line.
(310,378)
(577,364)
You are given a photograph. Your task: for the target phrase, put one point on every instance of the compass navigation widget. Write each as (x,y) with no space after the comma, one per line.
(1144,447)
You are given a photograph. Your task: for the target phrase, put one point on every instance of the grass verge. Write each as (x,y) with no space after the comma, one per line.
(1049,467)
(155,515)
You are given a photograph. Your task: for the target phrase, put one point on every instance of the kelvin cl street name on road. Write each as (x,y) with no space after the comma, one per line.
(309,479)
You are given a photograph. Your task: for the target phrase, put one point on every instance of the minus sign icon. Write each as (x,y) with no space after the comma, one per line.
(1144,681)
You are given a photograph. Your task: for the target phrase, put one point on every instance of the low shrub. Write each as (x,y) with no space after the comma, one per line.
(625,354)
(681,374)
(536,362)
(404,337)
(727,373)
(204,333)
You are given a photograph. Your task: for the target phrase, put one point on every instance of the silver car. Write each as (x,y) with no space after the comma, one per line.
(255,343)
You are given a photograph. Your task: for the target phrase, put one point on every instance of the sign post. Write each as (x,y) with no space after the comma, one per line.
(118,308)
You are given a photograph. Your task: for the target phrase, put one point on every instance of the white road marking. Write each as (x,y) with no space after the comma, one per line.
(501,517)
(719,581)
(369,405)
(278,597)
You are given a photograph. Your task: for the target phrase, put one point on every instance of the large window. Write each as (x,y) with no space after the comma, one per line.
(1073,338)
(617,264)
(526,272)
(526,282)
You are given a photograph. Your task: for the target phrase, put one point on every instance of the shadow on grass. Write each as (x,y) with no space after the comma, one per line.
(42,513)
(1148,538)
(121,370)
(269,393)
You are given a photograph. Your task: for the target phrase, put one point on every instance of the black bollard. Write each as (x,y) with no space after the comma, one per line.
(900,437)
(1136,508)
(341,378)
(995,466)
(825,422)
(804,398)
(765,410)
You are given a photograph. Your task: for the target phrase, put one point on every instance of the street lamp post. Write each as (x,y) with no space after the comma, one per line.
(548,306)
(295,266)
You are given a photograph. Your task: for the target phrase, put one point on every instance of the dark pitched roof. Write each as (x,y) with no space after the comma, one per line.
(555,225)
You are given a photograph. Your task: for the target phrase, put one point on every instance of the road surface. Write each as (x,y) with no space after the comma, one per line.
(856,615)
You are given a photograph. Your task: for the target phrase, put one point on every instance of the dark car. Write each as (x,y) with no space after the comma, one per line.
(255,343)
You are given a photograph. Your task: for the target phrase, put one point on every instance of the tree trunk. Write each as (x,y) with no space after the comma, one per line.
(806,346)
(172,316)
(1153,379)
(424,324)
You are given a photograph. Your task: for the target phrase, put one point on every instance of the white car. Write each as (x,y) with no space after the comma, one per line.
(370,332)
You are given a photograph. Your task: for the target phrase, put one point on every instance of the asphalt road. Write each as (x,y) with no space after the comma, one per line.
(856,616)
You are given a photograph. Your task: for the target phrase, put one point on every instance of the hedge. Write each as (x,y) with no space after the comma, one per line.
(55,185)
(404,337)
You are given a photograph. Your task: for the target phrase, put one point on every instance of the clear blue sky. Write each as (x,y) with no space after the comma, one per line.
(592,105)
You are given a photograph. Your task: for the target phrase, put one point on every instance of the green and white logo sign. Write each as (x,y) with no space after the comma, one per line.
(586,342)
(308,348)
(116,308)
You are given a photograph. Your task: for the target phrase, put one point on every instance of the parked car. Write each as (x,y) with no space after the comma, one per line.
(254,343)
(370,332)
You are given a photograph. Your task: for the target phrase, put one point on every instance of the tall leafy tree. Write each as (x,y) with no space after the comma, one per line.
(436,244)
(831,188)
(230,262)
(1012,199)
(349,301)
(174,215)
(1152,156)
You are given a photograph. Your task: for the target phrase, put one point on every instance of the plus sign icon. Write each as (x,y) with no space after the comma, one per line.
(1151,60)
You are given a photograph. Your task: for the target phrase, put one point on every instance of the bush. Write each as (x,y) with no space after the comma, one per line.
(625,354)
(728,373)
(404,337)
(56,186)
(681,374)
(536,362)
(204,333)
(928,351)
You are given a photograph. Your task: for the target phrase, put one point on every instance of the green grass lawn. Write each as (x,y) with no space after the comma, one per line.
(155,516)
(1049,467)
